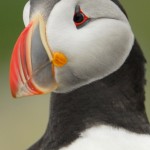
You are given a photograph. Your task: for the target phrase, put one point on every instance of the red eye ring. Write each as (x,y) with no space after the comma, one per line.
(80,18)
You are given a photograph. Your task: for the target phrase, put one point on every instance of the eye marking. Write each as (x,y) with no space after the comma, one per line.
(80,19)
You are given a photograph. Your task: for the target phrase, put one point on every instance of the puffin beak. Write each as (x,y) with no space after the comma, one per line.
(33,62)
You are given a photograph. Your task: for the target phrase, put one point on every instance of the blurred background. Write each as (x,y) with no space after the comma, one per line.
(23,121)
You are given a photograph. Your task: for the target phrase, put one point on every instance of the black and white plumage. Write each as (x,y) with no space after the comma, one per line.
(115,102)
(99,101)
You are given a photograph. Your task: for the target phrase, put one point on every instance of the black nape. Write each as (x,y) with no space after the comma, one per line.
(117,100)
(120,6)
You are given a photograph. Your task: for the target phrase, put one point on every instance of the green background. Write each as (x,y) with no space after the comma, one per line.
(23,121)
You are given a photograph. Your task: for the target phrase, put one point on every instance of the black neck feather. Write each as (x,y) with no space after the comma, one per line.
(117,100)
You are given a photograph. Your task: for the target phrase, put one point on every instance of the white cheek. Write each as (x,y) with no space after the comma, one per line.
(26,13)
(94,51)
(101,48)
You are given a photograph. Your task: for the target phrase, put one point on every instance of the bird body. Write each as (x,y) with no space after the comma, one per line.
(86,55)
(108,138)
(103,103)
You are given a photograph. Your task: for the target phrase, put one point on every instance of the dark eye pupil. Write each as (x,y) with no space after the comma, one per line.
(78,17)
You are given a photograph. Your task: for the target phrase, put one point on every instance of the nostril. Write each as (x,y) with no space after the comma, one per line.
(59,59)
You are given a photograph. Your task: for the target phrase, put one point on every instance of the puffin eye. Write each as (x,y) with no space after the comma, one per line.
(80,18)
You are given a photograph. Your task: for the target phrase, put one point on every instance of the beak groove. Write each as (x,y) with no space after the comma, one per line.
(31,67)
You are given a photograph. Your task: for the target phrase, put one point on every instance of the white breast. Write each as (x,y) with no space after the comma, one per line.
(109,138)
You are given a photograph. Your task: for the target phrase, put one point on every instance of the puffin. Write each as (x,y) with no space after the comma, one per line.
(85,54)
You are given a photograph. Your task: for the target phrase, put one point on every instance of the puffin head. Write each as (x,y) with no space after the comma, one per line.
(68,44)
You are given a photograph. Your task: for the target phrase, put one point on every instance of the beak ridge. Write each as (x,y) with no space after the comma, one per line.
(31,67)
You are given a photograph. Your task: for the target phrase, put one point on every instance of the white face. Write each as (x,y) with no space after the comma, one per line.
(95,50)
